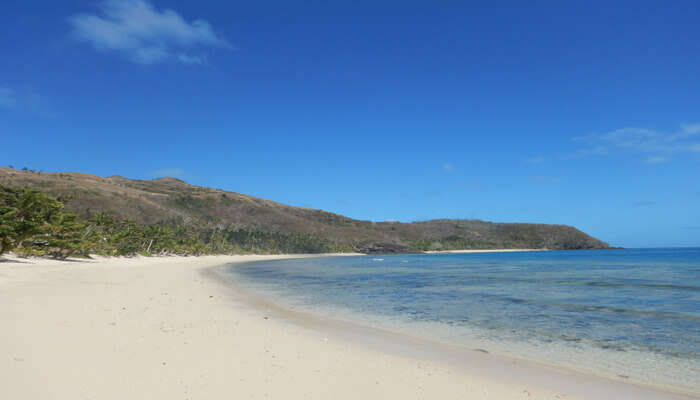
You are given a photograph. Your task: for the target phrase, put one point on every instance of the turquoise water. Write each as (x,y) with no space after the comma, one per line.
(632,314)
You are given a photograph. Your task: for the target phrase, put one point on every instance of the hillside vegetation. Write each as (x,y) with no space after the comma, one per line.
(218,221)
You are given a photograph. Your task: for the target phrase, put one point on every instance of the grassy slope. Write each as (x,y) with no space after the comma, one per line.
(164,199)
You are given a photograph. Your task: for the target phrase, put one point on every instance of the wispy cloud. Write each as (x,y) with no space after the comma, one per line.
(170,172)
(24,100)
(8,98)
(657,160)
(447,167)
(187,59)
(144,34)
(659,146)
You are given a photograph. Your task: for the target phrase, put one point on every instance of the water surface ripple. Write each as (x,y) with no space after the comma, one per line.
(625,313)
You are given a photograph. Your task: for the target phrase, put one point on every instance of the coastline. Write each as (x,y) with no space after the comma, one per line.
(163,328)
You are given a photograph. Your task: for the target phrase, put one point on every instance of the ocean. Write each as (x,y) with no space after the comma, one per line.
(628,314)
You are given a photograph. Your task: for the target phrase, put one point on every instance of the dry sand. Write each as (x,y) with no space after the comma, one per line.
(165,328)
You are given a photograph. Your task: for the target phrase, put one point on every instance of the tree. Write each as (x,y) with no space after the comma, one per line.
(34,224)
(65,236)
(23,214)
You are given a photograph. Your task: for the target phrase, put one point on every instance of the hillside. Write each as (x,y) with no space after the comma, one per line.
(172,200)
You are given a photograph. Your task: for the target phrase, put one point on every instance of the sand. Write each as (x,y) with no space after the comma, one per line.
(168,328)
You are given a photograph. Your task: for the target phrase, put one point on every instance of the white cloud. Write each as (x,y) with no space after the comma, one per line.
(657,160)
(188,59)
(447,167)
(660,146)
(688,130)
(7,98)
(24,101)
(145,34)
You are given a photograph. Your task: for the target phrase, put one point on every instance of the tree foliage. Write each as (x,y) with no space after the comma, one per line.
(32,223)
(28,216)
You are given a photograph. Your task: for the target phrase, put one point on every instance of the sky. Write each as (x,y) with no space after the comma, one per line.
(576,113)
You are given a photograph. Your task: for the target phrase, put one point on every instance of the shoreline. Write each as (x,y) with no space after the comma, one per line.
(470,360)
(164,328)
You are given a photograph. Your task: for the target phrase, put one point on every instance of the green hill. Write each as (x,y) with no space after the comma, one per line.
(201,209)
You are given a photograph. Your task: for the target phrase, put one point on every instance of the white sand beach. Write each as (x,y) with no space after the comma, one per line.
(167,328)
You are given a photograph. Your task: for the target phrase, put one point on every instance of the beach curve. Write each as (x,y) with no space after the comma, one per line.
(161,328)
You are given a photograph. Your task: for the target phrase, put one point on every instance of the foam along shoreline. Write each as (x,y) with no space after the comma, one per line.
(481,251)
(161,328)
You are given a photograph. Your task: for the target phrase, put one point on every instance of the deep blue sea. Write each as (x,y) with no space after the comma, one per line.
(631,314)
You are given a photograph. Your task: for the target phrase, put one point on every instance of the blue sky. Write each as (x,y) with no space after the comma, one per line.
(578,113)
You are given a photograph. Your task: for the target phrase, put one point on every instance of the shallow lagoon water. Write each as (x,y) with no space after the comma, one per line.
(627,314)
